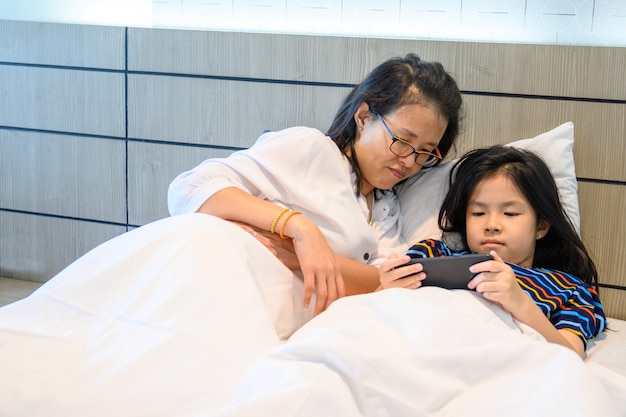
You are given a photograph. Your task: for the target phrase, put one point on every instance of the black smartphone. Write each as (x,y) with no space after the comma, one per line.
(451,272)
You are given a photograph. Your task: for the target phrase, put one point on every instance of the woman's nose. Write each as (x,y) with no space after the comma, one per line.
(409,160)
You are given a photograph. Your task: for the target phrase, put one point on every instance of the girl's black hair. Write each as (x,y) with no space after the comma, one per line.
(561,248)
(391,85)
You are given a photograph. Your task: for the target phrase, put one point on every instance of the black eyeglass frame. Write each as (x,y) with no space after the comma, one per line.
(432,158)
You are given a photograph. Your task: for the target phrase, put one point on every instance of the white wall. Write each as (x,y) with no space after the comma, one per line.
(559,22)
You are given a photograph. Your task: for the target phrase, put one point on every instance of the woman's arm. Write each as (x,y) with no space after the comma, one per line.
(319,266)
(237,205)
(358,278)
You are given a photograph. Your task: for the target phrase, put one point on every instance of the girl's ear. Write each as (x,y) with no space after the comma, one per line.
(361,115)
(542,228)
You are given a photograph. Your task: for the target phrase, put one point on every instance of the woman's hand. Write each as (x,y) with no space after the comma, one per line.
(319,266)
(307,251)
(496,282)
(318,263)
(392,274)
(281,248)
(321,272)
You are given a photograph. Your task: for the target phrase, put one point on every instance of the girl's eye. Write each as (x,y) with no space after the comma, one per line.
(511,214)
(477,213)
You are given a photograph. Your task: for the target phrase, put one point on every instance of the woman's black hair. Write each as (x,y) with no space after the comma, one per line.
(561,248)
(395,83)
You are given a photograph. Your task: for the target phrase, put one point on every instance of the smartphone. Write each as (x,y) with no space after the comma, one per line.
(451,272)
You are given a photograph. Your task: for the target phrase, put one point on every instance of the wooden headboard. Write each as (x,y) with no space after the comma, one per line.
(96,121)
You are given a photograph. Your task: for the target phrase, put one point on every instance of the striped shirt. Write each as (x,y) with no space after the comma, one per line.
(568,302)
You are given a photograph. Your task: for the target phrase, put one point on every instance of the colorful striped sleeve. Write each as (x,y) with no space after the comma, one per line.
(568,302)
(429,248)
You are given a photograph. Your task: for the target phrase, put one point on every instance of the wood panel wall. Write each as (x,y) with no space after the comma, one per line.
(96,121)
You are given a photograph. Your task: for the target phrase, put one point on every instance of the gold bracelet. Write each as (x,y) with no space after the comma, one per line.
(282,228)
(277,218)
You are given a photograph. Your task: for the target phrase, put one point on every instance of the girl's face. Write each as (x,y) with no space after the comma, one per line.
(500,218)
(422,126)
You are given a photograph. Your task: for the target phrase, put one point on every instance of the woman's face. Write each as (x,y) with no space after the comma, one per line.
(500,218)
(421,125)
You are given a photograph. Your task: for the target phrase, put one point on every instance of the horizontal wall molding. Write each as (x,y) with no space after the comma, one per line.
(95,122)
(312,83)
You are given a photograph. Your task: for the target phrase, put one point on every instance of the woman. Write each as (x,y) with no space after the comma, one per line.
(342,215)
(174,313)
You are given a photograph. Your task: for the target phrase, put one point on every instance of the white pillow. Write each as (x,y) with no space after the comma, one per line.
(421,196)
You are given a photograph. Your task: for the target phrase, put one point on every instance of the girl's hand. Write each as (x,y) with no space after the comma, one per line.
(391,274)
(496,282)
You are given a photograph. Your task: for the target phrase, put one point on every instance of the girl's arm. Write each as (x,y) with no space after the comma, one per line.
(320,268)
(528,313)
(496,282)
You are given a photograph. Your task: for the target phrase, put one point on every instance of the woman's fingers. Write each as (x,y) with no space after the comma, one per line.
(321,296)
(321,273)
(319,266)
(335,288)
(394,261)
(327,287)
(395,272)
(310,285)
(327,284)
(411,281)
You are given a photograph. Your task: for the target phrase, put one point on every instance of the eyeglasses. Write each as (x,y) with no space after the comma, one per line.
(401,147)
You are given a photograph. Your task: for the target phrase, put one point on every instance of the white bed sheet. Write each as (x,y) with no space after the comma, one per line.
(175,319)
(609,348)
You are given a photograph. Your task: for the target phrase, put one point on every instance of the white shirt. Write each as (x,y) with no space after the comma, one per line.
(302,169)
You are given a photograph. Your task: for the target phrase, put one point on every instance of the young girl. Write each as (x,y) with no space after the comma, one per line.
(504,201)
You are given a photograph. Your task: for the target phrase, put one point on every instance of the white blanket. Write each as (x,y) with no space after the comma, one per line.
(185,317)
(429,352)
(161,321)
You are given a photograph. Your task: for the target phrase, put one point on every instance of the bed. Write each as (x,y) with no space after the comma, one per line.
(189,316)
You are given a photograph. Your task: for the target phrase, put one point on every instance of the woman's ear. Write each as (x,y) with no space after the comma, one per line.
(361,115)
(542,228)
